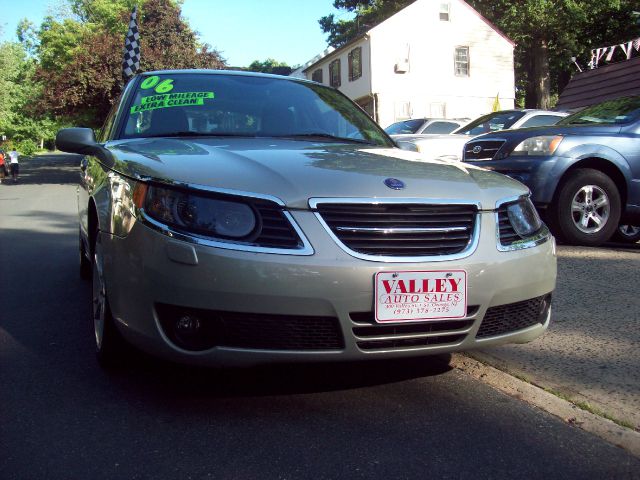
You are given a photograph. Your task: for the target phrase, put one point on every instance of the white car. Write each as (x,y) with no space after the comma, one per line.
(449,147)
(424,126)
(236,218)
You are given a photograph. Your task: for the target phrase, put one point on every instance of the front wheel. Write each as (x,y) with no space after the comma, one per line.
(110,346)
(586,209)
(627,233)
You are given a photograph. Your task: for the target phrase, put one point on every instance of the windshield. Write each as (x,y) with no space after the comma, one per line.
(618,111)
(491,123)
(405,127)
(200,104)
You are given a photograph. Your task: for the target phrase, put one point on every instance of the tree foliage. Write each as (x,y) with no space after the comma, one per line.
(270,65)
(547,33)
(167,41)
(81,59)
(19,92)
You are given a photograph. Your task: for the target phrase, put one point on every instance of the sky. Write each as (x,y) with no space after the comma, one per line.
(242,30)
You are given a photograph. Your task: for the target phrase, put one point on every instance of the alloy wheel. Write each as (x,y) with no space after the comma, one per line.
(590,209)
(629,230)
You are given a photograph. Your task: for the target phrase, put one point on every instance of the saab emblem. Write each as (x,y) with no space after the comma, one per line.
(394,183)
(477,149)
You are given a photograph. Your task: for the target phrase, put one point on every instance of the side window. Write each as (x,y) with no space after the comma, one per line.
(334,73)
(355,64)
(462,61)
(108,123)
(440,127)
(541,120)
(444,12)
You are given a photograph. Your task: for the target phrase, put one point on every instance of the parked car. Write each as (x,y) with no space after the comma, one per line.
(449,147)
(424,126)
(584,173)
(238,218)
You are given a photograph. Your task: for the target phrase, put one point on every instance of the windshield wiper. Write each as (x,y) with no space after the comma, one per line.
(187,133)
(326,136)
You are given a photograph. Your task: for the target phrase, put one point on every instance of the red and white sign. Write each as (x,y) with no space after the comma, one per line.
(416,296)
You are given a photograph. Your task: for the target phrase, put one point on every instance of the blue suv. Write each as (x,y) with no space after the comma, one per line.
(583,172)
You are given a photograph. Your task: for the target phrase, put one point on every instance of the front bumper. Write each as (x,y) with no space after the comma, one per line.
(540,174)
(147,268)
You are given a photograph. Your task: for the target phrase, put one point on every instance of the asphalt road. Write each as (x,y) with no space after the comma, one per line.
(61,416)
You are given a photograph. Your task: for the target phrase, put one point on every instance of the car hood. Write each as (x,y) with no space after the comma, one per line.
(295,171)
(554,130)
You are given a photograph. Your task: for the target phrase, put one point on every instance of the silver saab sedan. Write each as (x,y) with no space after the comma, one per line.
(237,218)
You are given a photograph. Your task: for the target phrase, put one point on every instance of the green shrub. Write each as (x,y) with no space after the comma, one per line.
(26,147)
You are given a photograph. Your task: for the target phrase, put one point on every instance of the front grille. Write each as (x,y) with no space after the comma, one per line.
(488,149)
(401,230)
(514,316)
(506,232)
(276,231)
(373,336)
(252,330)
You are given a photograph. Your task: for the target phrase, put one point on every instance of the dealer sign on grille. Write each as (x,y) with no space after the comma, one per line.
(416,296)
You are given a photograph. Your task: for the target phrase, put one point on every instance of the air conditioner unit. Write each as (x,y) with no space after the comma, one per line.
(402,66)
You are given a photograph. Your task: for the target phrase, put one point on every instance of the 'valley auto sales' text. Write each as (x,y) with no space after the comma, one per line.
(446,290)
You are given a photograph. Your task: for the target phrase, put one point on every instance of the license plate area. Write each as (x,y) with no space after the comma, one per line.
(414,296)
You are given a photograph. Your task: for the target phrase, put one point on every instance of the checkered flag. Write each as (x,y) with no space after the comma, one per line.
(131,60)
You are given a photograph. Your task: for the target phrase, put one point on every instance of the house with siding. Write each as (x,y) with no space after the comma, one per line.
(432,59)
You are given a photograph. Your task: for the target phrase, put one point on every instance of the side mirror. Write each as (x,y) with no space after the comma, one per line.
(76,140)
(83,141)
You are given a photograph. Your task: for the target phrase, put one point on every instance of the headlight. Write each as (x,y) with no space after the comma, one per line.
(200,214)
(543,145)
(523,217)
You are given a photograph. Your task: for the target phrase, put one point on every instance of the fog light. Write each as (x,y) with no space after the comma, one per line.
(545,306)
(188,324)
(189,328)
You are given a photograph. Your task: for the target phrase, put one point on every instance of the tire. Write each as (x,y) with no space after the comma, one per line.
(627,233)
(586,208)
(111,348)
(85,263)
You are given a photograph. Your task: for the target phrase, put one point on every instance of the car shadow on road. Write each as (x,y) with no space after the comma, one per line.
(163,378)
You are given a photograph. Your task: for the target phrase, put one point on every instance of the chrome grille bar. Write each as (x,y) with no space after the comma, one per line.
(402,230)
(392,230)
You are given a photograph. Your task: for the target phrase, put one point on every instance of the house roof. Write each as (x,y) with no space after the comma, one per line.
(497,30)
(321,58)
(604,83)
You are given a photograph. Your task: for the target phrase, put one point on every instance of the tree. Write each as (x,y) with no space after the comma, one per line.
(19,92)
(167,41)
(87,81)
(270,66)
(58,42)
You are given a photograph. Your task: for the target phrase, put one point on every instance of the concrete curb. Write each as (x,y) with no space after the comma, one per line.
(606,429)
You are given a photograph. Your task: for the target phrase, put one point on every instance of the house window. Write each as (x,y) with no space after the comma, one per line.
(316,76)
(462,62)
(334,73)
(355,64)
(444,11)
